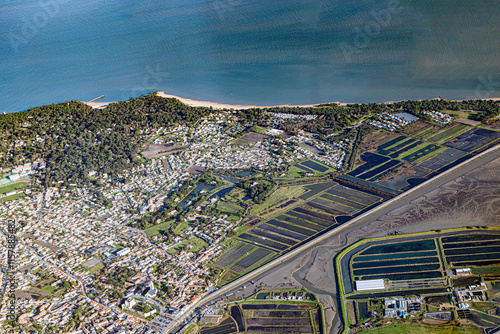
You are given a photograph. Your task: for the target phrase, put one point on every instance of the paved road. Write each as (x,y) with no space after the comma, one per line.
(366,218)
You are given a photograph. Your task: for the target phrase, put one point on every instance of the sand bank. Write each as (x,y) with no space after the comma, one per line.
(216,105)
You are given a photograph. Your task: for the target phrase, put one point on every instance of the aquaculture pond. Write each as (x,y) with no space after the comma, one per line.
(396,270)
(389,263)
(393,256)
(279,231)
(315,166)
(412,276)
(408,246)
(471,237)
(199,187)
(221,193)
(244,173)
(300,222)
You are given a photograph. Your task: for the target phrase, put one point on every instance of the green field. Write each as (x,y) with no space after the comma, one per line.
(486,270)
(13,186)
(155,230)
(242,229)
(264,205)
(428,149)
(423,329)
(288,192)
(295,172)
(11,197)
(196,242)
(181,227)
(454,131)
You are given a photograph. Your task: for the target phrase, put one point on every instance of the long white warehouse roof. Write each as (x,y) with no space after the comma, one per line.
(374,284)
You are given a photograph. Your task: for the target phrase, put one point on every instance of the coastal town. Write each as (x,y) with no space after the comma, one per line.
(137,251)
(68,234)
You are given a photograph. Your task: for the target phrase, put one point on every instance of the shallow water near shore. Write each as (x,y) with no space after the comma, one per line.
(248,52)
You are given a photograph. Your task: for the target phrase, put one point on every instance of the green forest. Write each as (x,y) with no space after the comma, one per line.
(75,139)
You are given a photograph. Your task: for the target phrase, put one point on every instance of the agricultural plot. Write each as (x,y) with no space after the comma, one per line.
(371,160)
(421,153)
(398,146)
(262,242)
(447,133)
(473,139)
(291,227)
(472,250)
(281,318)
(442,159)
(353,195)
(388,166)
(323,208)
(405,149)
(273,237)
(234,254)
(315,189)
(312,213)
(404,178)
(251,259)
(225,327)
(303,168)
(301,223)
(343,201)
(314,165)
(336,206)
(390,143)
(312,216)
(280,231)
(369,184)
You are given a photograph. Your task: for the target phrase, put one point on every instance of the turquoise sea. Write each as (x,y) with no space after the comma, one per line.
(248,51)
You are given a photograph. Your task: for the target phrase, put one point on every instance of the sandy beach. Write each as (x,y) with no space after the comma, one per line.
(216,105)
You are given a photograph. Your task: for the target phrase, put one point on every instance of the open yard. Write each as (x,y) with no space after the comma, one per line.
(422,329)
(155,230)
(193,245)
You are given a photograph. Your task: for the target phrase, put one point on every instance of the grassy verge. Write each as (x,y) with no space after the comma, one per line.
(445,135)
(288,192)
(264,205)
(181,227)
(155,230)
(11,197)
(196,242)
(411,328)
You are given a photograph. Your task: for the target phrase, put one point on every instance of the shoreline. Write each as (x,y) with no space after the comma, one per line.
(217,105)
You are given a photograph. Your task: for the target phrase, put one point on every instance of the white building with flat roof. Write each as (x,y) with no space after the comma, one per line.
(373,284)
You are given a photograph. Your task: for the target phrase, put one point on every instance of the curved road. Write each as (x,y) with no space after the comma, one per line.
(366,218)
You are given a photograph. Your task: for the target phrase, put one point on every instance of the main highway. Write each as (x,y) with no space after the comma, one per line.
(362,220)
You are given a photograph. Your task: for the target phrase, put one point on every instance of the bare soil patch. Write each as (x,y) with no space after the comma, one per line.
(159,150)
(250,138)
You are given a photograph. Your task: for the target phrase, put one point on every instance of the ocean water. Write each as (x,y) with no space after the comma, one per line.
(248,51)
